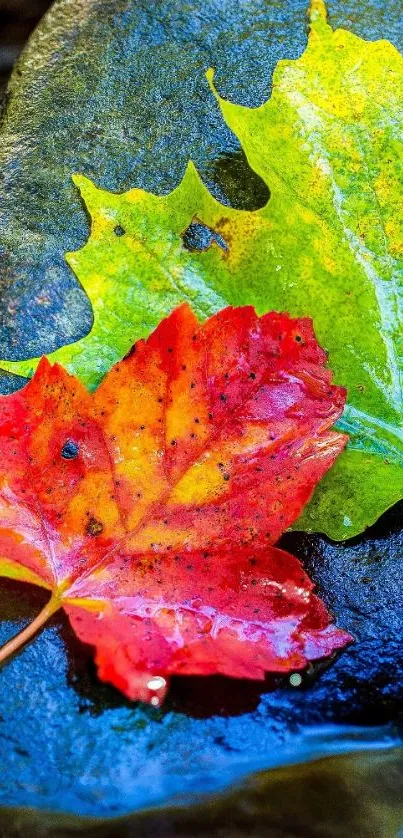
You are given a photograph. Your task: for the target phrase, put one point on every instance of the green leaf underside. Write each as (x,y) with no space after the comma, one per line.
(328,244)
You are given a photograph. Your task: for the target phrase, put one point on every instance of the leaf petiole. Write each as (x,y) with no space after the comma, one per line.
(20,639)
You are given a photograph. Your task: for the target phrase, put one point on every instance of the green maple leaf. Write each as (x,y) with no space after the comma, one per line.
(329,145)
(328,244)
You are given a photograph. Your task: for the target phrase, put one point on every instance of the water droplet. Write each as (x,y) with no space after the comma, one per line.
(155,701)
(295,679)
(157,682)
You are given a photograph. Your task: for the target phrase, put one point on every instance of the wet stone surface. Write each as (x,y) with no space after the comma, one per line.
(132,81)
(59,726)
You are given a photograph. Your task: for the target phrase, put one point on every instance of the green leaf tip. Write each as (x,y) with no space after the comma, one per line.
(317,12)
(210,73)
(83,183)
(87,189)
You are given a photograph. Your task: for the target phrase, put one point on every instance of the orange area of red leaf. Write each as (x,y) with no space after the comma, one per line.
(150,507)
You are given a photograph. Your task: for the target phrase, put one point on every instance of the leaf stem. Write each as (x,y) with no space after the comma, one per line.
(29,631)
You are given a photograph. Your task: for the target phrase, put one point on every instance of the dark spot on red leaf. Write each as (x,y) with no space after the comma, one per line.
(94,526)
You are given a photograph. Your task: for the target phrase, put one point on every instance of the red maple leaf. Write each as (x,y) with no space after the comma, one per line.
(149,508)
